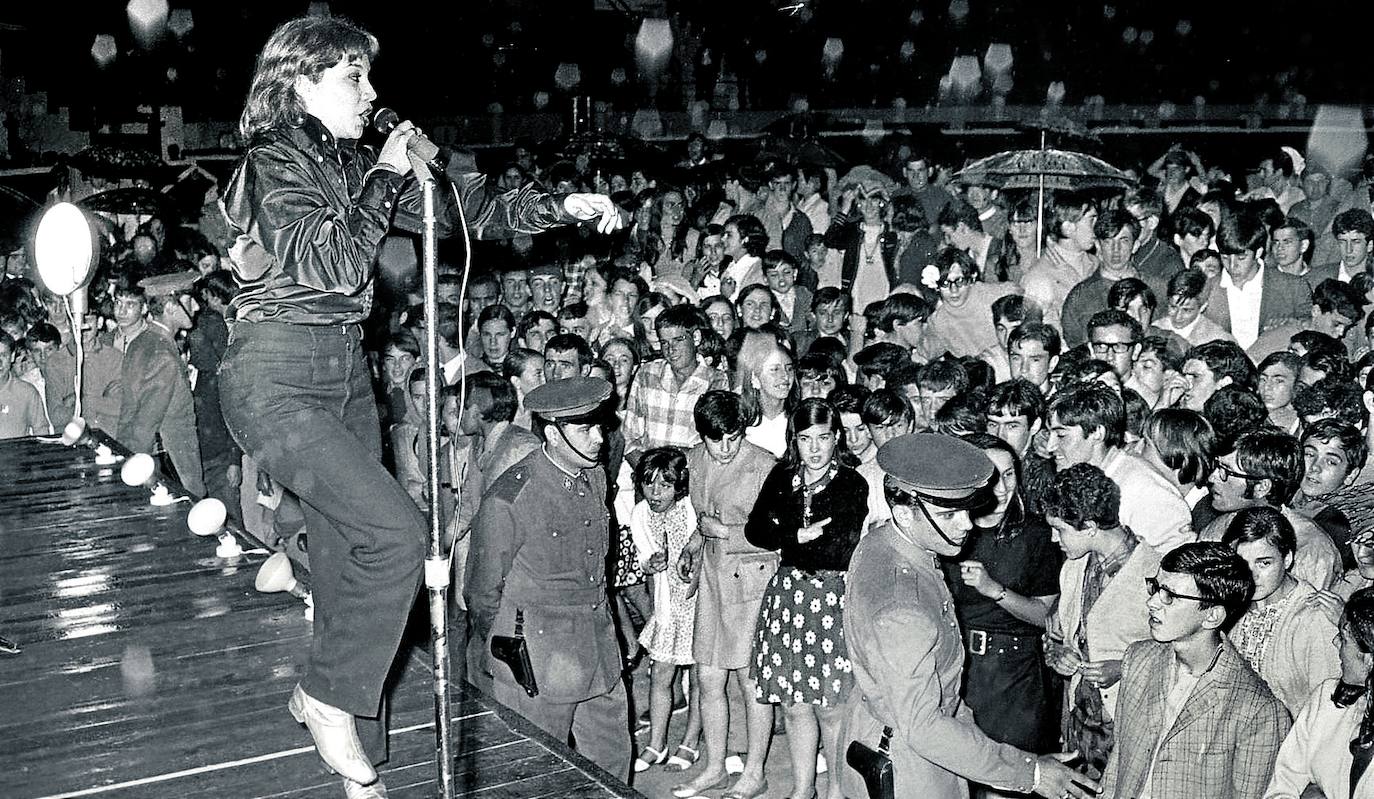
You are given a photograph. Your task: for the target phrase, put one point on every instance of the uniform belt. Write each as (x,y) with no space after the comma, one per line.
(983,642)
(568,599)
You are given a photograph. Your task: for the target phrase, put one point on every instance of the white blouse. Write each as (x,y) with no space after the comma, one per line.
(1317,750)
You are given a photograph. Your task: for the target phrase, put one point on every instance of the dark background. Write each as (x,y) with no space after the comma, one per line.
(434,59)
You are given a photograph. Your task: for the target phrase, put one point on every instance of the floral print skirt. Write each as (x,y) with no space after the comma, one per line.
(799,652)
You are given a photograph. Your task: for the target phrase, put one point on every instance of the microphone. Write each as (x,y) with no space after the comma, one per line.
(422,148)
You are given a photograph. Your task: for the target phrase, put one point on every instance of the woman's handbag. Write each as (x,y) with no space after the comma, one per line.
(874,767)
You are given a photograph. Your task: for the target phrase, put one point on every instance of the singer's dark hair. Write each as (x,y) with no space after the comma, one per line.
(300,47)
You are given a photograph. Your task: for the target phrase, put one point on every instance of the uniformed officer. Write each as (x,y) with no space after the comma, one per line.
(904,639)
(539,547)
(156,400)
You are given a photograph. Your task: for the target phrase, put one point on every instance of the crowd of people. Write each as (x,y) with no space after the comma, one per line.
(1141,534)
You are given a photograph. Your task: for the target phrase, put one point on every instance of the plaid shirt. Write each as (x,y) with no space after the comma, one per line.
(659,411)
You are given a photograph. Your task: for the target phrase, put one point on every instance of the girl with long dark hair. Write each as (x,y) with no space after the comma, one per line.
(811,509)
(1004,583)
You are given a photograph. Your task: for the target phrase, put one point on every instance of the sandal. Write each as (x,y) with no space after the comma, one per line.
(642,765)
(687,791)
(679,763)
(759,794)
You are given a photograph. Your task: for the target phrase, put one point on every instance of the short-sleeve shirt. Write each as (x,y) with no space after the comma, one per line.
(1024,558)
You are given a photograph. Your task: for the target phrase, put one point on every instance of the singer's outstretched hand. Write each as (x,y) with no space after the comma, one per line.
(594,206)
(394,153)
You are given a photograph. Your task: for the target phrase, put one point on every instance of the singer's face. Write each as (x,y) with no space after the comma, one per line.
(341,98)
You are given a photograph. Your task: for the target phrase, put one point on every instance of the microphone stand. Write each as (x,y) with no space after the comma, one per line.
(437,565)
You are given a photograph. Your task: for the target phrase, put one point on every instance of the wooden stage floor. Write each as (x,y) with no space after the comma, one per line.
(150,668)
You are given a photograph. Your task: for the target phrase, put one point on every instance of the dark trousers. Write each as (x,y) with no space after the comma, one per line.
(298,400)
(599,726)
(215,465)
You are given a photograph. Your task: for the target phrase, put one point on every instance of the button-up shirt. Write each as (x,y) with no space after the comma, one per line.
(659,411)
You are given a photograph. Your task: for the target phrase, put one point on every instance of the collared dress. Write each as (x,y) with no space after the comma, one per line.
(907,656)
(799,651)
(668,634)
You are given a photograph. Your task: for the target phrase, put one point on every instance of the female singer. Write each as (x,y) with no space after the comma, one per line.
(309,210)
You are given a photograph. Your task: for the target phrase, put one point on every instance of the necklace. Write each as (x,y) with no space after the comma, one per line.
(870,253)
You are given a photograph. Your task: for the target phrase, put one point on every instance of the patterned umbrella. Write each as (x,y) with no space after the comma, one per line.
(1047,169)
(1044,169)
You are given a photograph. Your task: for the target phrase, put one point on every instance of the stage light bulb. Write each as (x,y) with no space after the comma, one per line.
(180,22)
(832,51)
(998,58)
(64,249)
(207,517)
(74,432)
(275,575)
(1338,140)
(137,470)
(567,76)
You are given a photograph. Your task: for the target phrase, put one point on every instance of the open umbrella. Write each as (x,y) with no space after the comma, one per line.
(1058,130)
(1044,169)
(800,151)
(130,200)
(110,161)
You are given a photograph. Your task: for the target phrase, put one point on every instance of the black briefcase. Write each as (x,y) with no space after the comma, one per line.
(511,650)
(874,767)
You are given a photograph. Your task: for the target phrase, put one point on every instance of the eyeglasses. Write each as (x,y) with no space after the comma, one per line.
(1227,473)
(1168,595)
(956,282)
(1113,347)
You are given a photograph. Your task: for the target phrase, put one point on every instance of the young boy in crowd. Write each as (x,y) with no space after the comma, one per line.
(1334,452)
(1008,313)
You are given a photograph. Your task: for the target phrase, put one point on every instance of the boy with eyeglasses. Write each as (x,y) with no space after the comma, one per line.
(1265,470)
(961,320)
(1114,336)
(1190,690)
